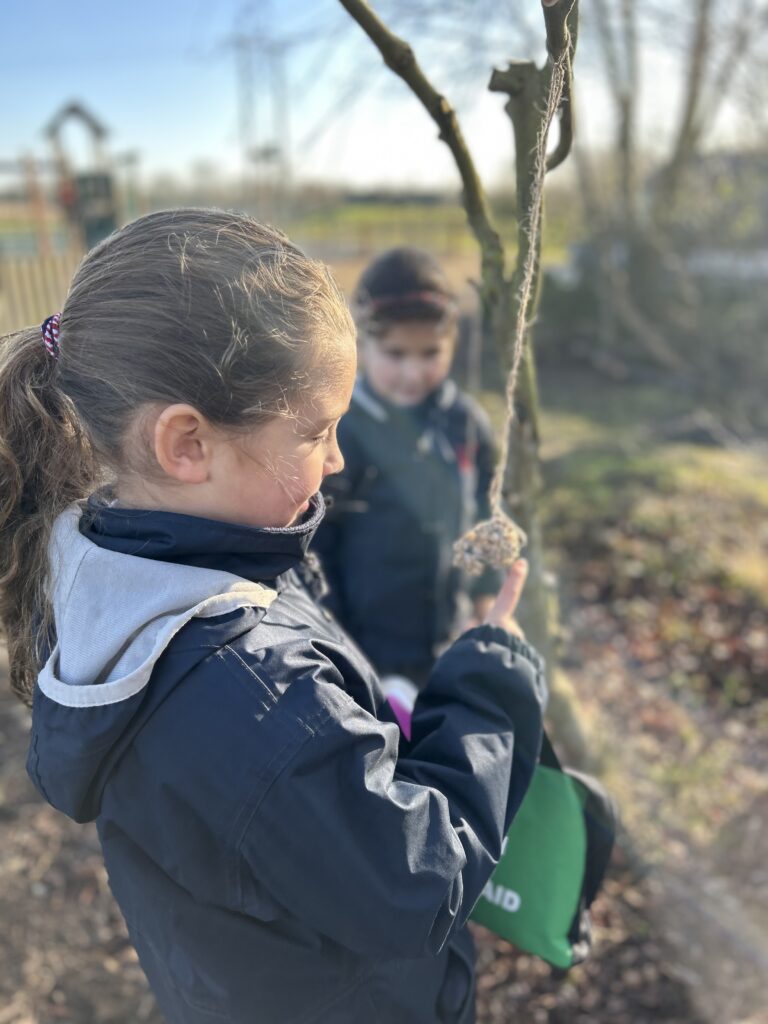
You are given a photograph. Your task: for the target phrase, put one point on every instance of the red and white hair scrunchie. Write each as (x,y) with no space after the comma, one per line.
(50,333)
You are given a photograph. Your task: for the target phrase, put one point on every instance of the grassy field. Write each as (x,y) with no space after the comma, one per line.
(443,229)
(606,459)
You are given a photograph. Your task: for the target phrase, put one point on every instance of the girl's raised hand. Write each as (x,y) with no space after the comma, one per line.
(502,611)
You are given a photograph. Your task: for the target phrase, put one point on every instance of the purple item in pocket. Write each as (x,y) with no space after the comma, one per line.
(401,694)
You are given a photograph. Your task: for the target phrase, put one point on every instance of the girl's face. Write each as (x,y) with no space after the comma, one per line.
(264,477)
(409,361)
(268,477)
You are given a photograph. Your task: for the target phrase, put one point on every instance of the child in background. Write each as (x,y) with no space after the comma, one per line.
(419,460)
(279,852)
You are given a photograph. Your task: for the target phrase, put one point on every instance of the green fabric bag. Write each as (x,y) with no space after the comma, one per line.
(552,865)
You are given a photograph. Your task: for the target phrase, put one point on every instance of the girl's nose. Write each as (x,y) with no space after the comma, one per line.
(334,462)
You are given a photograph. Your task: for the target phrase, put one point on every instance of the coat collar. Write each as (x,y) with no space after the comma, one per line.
(253,553)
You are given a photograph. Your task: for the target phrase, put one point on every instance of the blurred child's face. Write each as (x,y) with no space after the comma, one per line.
(409,361)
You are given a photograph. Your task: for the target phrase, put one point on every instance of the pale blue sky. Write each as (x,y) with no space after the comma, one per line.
(160,75)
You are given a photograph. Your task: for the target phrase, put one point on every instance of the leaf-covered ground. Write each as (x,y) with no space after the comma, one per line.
(662,552)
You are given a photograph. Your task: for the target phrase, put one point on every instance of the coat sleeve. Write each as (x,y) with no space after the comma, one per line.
(386,848)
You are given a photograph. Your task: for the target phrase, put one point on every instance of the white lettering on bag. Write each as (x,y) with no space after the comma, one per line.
(507,899)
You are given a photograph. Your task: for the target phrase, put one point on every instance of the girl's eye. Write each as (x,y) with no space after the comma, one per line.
(325,436)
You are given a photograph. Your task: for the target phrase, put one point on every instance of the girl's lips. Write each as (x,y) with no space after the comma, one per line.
(298,513)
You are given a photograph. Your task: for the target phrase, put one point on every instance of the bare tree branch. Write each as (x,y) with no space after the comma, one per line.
(556,15)
(565,125)
(687,133)
(629,25)
(609,47)
(566,33)
(749,28)
(399,56)
(628,112)
(619,47)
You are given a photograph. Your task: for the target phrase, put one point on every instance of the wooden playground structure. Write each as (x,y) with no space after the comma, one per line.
(46,228)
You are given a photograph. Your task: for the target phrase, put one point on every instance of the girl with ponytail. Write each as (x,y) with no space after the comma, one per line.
(279,852)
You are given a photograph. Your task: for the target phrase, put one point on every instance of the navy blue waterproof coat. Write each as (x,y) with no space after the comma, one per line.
(415,479)
(282,855)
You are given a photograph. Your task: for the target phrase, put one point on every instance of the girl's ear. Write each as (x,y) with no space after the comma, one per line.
(183,444)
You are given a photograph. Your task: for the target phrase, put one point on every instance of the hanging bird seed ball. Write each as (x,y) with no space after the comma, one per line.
(495,542)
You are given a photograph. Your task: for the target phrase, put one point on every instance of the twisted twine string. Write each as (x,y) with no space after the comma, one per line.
(497,541)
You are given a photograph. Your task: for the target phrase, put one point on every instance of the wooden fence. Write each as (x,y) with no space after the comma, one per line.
(33,287)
